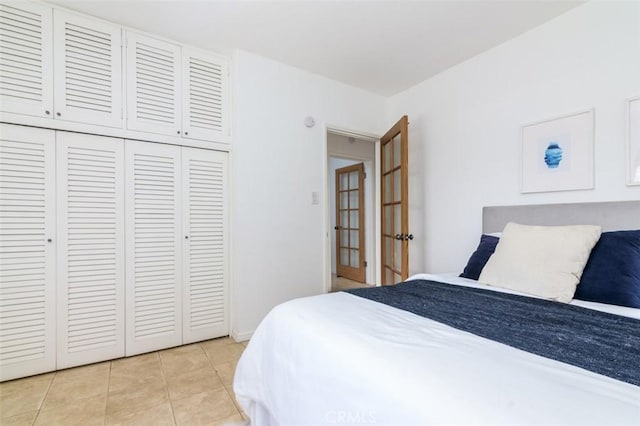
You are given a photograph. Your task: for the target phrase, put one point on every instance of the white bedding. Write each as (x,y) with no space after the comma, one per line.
(340,358)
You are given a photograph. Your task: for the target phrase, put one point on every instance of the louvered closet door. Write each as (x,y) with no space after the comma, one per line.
(153,85)
(206,96)
(90,199)
(27,251)
(88,70)
(153,247)
(205,285)
(26,61)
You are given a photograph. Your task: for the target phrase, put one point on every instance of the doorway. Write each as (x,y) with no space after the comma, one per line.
(352,247)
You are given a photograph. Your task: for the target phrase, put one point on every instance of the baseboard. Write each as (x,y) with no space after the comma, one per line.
(241,337)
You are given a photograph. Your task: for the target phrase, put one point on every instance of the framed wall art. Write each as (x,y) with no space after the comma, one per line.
(633,141)
(557,153)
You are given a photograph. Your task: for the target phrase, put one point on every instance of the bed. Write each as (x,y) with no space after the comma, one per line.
(378,357)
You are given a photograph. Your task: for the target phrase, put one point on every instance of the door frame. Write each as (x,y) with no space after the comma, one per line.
(326,229)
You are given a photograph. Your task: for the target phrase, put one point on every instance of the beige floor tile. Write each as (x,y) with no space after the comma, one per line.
(87,412)
(193,382)
(178,361)
(20,420)
(211,406)
(78,383)
(232,394)
(216,343)
(160,415)
(147,375)
(137,398)
(226,371)
(230,421)
(225,354)
(135,363)
(23,395)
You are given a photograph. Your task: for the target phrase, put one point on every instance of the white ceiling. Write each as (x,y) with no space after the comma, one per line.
(383,47)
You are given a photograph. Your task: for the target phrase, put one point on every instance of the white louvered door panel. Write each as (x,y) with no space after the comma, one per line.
(153,247)
(88,70)
(27,251)
(205,277)
(154,88)
(26,59)
(206,92)
(90,203)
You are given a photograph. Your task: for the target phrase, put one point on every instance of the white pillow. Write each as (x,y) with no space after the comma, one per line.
(545,261)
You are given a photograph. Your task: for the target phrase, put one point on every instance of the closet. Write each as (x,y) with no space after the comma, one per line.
(113,219)
(108,247)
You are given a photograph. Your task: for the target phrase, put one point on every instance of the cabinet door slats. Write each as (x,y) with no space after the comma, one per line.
(91,248)
(88,65)
(26,55)
(204,275)
(205,95)
(153,85)
(27,267)
(154,247)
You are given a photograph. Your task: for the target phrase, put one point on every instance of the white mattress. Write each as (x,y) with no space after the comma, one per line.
(339,358)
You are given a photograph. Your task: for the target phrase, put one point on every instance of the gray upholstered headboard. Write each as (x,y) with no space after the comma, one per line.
(612,216)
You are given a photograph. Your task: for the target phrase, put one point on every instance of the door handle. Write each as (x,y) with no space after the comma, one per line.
(404,237)
(336,227)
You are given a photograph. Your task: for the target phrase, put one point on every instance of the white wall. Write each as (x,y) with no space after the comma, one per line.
(465,123)
(278,237)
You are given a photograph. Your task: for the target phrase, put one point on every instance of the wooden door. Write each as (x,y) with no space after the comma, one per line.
(350,253)
(205,251)
(153,227)
(395,203)
(27,251)
(88,69)
(90,203)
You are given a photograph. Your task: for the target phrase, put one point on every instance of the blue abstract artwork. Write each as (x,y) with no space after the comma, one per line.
(553,155)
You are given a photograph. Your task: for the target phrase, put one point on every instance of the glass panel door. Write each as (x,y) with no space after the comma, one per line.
(350,222)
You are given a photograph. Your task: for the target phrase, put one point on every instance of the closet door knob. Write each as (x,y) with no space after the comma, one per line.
(47,112)
(178,131)
(59,114)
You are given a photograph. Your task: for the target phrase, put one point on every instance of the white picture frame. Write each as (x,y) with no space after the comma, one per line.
(633,141)
(558,153)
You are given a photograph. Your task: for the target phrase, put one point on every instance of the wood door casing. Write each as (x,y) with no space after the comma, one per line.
(395,203)
(350,250)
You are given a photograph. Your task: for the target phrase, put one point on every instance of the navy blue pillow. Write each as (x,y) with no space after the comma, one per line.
(480,257)
(612,274)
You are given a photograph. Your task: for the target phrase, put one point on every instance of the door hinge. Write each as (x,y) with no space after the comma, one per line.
(365,264)
(364,175)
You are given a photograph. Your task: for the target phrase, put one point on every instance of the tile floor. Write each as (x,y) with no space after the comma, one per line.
(341,283)
(187,385)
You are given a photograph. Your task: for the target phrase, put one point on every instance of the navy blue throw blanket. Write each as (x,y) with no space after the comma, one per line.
(597,341)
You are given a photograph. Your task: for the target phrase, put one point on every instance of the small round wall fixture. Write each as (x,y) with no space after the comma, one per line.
(309,122)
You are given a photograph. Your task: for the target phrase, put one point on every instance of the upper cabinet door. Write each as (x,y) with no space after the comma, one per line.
(88,70)
(26,77)
(153,85)
(206,94)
